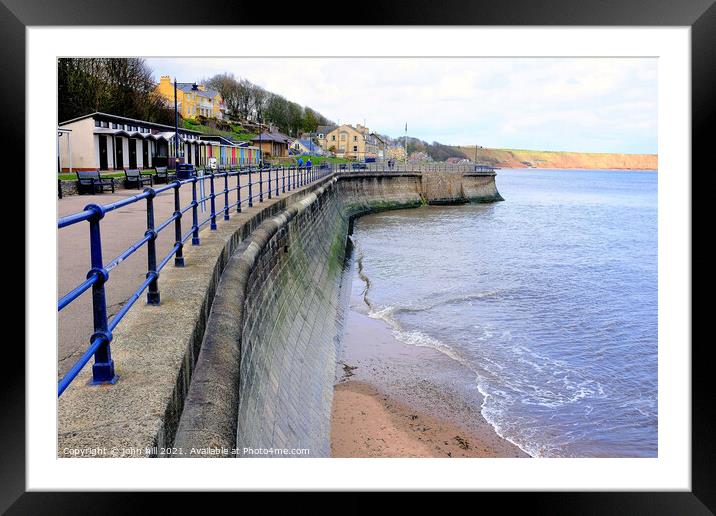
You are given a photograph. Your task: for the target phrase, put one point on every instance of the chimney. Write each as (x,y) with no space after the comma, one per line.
(194,87)
(165,79)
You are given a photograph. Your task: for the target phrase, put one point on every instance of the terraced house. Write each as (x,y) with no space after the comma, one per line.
(192,99)
(351,142)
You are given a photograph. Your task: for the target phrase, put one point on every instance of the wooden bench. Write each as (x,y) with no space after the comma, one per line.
(134,176)
(164,176)
(91,182)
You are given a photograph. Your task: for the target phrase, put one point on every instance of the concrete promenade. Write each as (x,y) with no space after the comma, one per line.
(120,229)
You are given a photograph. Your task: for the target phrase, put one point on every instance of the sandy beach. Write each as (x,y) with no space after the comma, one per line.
(393,399)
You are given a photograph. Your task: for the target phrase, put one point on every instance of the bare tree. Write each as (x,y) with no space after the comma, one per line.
(121,86)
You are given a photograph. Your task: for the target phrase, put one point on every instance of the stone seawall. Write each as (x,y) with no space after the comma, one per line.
(242,350)
(264,378)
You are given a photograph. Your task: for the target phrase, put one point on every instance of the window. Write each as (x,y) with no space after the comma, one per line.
(105,124)
(355,148)
(355,138)
(333,138)
(343,136)
(97,123)
(320,135)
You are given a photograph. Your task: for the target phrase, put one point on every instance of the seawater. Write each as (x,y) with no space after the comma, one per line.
(549,299)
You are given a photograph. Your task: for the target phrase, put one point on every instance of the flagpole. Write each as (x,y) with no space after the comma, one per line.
(176,127)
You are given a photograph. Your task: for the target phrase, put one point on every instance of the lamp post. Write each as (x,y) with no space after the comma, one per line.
(261,150)
(176,126)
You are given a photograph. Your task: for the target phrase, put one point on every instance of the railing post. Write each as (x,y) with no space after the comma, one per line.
(226,195)
(179,255)
(277,169)
(269,182)
(283,179)
(103,367)
(153,289)
(194,213)
(212,196)
(251,197)
(238,191)
(261,184)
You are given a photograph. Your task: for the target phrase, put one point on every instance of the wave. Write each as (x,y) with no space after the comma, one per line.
(418,338)
(548,382)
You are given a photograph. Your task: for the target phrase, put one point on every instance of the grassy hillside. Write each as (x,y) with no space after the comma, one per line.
(236,131)
(518,158)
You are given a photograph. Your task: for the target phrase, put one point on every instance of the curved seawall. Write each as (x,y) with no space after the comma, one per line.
(264,378)
(242,351)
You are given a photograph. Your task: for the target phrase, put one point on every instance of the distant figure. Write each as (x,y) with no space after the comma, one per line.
(308,163)
(300,162)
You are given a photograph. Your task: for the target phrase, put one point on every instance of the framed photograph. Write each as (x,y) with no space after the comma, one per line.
(442,250)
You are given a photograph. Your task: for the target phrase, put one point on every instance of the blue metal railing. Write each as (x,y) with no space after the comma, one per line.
(99,273)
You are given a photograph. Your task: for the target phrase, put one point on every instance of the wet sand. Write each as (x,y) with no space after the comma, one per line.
(393,399)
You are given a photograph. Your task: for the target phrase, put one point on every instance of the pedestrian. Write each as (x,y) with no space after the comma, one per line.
(308,163)
(300,162)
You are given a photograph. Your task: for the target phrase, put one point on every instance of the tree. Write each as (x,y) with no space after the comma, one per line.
(294,118)
(259,98)
(120,86)
(277,112)
(228,87)
(310,120)
(245,98)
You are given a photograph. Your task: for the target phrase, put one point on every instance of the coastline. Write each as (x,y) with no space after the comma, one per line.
(393,399)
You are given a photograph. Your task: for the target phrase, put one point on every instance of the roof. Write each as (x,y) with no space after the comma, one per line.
(123,119)
(217,138)
(306,143)
(188,87)
(272,137)
(325,129)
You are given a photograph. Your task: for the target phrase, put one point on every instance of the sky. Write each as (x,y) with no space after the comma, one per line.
(570,104)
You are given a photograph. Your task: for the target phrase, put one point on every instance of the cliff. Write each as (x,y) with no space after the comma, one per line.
(518,158)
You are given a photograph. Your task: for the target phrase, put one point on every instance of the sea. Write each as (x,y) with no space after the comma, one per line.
(547,300)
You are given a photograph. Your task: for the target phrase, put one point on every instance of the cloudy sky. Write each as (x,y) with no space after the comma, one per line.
(576,104)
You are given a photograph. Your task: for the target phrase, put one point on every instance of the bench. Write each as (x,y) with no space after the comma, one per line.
(134,176)
(163,175)
(91,182)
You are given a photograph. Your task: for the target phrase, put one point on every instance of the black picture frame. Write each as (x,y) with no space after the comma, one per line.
(700,15)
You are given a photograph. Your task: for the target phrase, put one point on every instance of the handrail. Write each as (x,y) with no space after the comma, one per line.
(99,274)
(291,177)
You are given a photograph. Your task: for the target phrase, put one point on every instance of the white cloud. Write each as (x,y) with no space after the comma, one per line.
(589,104)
